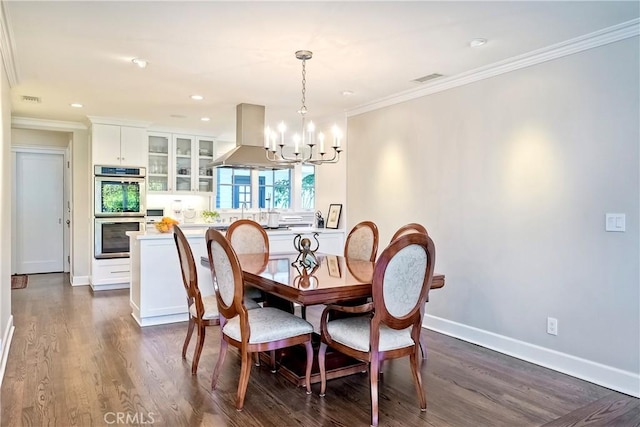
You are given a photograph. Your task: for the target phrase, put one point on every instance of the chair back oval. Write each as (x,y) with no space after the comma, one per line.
(412,227)
(226,274)
(362,242)
(188,270)
(247,237)
(401,281)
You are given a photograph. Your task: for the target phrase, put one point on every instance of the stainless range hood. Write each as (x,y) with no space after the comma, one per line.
(249,152)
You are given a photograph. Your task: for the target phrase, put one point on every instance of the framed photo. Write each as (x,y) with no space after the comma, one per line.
(333,217)
(333,265)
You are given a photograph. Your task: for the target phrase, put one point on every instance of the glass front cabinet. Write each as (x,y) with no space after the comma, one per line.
(178,163)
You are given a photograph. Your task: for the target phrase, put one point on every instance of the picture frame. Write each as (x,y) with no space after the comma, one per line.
(333,266)
(333,216)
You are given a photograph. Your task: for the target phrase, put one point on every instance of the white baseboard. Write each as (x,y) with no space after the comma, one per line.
(597,373)
(79,280)
(5,345)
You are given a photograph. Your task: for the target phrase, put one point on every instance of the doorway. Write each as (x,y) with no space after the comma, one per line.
(38,210)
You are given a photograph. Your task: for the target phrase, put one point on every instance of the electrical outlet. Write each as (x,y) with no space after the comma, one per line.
(552,326)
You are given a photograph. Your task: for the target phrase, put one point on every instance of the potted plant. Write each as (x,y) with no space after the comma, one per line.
(210,216)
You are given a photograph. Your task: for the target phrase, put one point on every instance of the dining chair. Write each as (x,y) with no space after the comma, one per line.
(248,237)
(413,227)
(250,331)
(362,242)
(203,311)
(389,326)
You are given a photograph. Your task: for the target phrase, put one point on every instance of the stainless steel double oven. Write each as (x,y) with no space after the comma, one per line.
(119,206)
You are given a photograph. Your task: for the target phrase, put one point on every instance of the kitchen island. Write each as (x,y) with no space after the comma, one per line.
(156,292)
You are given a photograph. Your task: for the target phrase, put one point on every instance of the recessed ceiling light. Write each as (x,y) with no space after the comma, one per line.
(205,119)
(197,97)
(477,42)
(347,92)
(76,105)
(142,63)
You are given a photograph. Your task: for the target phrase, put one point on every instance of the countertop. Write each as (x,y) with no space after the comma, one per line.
(198,231)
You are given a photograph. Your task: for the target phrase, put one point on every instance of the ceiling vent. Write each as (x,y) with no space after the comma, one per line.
(31,99)
(427,78)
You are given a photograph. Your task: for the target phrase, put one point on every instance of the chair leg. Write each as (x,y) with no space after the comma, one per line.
(188,337)
(423,348)
(307,375)
(245,371)
(303,312)
(216,372)
(374,366)
(199,345)
(272,361)
(323,373)
(417,379)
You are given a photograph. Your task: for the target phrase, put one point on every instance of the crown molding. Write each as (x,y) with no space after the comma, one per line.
(7,47)
(118,121)
(599,38)
(44,124)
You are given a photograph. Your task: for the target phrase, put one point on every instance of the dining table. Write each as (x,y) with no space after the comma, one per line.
(287,280)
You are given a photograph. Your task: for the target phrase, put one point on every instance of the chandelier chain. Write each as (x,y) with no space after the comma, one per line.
(303,109)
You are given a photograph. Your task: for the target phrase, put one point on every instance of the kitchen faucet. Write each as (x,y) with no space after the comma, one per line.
(244,206)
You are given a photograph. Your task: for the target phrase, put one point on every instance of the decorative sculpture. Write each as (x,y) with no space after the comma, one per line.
(306,257)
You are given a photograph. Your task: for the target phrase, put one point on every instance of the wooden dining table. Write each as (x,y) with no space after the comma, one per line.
(333,279)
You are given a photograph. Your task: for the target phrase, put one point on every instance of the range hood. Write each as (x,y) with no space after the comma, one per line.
(249,152)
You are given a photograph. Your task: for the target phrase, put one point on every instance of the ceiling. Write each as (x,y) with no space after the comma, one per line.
(243,52)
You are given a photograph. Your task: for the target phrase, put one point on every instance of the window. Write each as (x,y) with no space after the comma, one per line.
(267,189)
(234,188)
(274,189)
(308,186)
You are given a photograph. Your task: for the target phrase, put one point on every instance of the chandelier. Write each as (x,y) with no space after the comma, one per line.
(306,138)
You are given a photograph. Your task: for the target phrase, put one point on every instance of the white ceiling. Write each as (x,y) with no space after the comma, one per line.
(243,52)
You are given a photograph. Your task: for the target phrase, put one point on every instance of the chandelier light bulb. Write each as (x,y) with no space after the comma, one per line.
(321,139)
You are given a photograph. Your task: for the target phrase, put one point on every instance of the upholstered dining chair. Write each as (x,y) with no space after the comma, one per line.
(413,227)
(389,327)
(362,242)
(203,311)
(250,331)
(248,237)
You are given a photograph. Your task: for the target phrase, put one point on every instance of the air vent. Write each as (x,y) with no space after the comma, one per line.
(31,99)
(427,78)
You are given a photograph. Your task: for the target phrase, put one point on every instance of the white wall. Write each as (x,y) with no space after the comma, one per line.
(512,176)
(39,138)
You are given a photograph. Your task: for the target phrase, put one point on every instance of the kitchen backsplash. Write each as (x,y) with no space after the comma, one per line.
(190,209)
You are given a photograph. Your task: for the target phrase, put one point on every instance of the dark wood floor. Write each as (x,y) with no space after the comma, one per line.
(79,359)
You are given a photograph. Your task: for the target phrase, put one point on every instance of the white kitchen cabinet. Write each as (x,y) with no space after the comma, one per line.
(108,274)
(178,163)
(118,145)
(157,294)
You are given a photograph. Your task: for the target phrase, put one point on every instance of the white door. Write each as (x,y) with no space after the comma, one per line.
(39,214)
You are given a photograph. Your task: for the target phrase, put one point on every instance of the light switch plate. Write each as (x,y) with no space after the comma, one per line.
(615,222)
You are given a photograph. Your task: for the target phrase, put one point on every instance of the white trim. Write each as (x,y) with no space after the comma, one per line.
(5,346)
(117,121)
(7,47)
(167,130)
(43,124)
(40,149)
(589,41)
(606,376)
(80,280)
